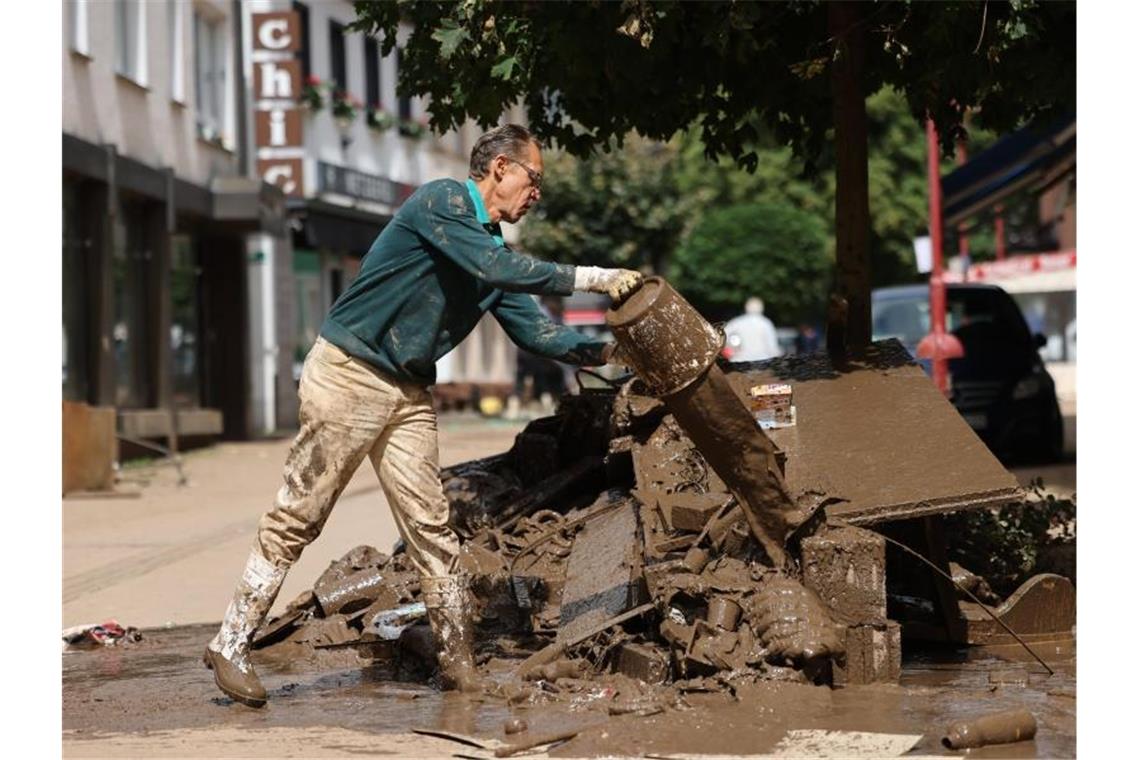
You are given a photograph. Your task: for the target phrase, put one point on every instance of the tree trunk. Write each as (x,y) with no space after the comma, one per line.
(852,210)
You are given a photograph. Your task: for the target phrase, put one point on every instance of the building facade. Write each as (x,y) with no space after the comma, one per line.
(158,216)
(218,195)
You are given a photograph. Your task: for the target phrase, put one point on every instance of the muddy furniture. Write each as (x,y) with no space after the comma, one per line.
(878,434)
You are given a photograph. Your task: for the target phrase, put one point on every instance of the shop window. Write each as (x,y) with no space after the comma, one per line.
(185,332)
(131,263)
(76,279)
(130,39)
(210,76)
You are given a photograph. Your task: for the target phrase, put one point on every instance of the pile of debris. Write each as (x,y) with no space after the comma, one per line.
(604,543)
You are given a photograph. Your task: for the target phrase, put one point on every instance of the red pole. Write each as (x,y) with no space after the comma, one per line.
(938,345)
(963,239)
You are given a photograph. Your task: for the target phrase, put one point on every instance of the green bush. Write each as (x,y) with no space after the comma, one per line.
(769,249)
(1006,546)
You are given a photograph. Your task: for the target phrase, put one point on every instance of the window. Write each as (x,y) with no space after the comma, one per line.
(184,320)
(403,102)
(130,39)
(174,16)
(79,39)
(337,60)
(76,308)
(131,264)
(210,76)
(302,12)
(371,72)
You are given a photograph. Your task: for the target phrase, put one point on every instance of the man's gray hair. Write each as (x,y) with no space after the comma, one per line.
(510,140)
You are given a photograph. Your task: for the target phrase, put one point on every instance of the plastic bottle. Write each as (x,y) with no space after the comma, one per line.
(996,728)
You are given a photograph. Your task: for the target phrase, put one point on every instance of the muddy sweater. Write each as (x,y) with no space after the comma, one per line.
(433,272)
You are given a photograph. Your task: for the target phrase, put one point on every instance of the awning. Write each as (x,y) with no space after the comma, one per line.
(1025,273)
(1033,158)
(338,228)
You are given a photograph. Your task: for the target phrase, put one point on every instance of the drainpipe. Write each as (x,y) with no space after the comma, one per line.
(938,346)
(240,79)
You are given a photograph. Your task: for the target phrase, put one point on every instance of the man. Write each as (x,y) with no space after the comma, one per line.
(752,336)
(437,267)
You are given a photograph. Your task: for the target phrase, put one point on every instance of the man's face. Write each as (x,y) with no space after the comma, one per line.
(520,183)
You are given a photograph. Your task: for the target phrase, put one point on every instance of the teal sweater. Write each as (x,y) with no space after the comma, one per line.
(433,272)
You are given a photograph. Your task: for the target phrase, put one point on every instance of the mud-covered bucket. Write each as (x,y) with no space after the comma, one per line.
(668,342)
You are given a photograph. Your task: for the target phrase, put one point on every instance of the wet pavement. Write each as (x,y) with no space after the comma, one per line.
(160,685)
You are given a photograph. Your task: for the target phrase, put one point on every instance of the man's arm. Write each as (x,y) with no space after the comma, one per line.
(446,222)
(531,329)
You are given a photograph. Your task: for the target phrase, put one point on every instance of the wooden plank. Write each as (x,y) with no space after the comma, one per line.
(878,434)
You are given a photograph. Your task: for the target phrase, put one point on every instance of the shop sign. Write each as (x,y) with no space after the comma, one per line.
(283,172)
(276,88)
(369,187)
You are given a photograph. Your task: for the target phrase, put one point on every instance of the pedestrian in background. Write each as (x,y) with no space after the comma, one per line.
(752,336)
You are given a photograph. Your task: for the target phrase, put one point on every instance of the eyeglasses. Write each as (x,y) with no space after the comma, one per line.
(535,177)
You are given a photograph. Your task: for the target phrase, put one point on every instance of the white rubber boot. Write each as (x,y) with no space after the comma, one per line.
(227,654)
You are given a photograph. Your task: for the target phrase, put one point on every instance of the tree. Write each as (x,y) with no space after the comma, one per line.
(621,209)
(769,248)
(590,72)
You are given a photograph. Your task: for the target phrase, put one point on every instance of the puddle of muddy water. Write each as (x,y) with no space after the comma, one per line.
(160,684)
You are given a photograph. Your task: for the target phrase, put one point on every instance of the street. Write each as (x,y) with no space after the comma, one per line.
(171,554)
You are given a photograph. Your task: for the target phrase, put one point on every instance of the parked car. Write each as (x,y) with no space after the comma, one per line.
(1000,387)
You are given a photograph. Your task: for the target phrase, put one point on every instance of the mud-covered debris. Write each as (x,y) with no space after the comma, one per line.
(106,634)
(846,568)
(328,631)
(793,624)
(871,654)
(605,551)
(364,588)
(997,728)
(515,726)
(645,662)
(603,570)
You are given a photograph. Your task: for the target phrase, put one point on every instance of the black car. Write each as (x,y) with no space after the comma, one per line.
(1000,387)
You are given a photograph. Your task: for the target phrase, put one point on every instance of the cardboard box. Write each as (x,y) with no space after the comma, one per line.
(771,404)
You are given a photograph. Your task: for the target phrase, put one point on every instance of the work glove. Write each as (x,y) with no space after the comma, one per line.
(618,283)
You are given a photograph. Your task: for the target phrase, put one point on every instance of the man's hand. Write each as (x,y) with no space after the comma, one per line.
(618,283)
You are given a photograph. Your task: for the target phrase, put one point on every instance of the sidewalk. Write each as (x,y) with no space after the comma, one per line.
(173,554)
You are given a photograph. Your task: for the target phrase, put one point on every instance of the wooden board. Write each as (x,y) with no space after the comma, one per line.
(881,435)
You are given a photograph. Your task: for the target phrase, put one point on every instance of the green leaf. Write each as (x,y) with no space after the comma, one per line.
(502,69)
(450,36)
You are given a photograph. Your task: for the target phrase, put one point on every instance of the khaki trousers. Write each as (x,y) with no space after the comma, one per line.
(349,411)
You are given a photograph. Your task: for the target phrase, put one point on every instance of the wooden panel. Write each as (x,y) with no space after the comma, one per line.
(89,447)
(879,434)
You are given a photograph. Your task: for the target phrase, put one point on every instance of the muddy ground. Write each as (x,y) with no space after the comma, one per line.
(154,698)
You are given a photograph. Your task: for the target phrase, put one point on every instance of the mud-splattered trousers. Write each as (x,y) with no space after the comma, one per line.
(350,411)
